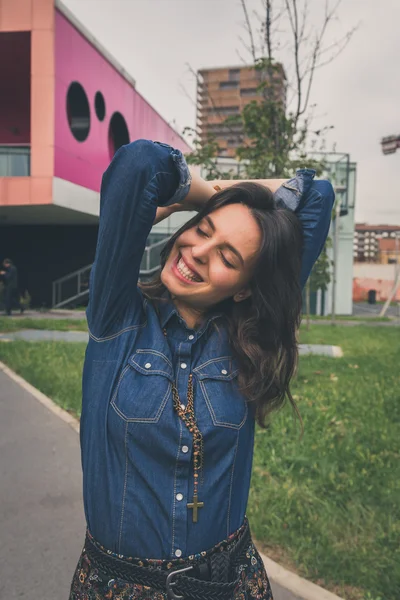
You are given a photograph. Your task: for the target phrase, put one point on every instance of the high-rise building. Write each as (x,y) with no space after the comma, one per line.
(224,92)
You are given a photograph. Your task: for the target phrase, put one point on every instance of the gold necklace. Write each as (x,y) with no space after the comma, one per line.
(186,413)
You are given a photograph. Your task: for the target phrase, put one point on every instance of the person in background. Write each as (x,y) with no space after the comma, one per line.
(10,278)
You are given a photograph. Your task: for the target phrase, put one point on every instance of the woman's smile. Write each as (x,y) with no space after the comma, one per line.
(183,272)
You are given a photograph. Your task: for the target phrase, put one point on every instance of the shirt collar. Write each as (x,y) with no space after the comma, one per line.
(167,310)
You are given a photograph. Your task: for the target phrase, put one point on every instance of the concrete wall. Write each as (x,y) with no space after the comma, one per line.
(344,260)
(369,276)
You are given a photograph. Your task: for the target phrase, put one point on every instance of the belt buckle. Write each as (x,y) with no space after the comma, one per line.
(170,583)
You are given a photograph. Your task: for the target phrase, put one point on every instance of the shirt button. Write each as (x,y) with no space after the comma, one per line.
(191,337)
(179,497)
(185,449)
(178,553)
(183,406)
(224,372)
(147,365)
(183,365)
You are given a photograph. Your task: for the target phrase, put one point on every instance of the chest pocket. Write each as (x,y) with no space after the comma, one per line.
(144,387)
(218,382)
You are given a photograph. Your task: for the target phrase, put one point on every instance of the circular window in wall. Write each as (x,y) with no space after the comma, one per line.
(118,134)
(78,111)
(100,106)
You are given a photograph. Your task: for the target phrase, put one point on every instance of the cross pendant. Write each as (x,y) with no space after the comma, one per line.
(195,505)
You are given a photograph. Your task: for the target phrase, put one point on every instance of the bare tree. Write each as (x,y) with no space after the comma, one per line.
(306,40)
(249,30)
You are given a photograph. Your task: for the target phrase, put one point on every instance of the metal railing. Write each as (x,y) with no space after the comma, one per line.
(74,287)
(71,287)
(15,160)
(151,258)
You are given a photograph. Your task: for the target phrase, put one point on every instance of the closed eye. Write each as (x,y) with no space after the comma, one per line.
(224,260)
(202,233)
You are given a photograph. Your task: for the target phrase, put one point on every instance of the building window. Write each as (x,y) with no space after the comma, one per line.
(100,106)
(248,92)
(234,74)
(118,134)
(219,129)
(15,161)
(233,142)
(78,112)
(228,84)
(224,110)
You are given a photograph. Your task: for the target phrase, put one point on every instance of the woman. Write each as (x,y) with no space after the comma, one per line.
(177,372)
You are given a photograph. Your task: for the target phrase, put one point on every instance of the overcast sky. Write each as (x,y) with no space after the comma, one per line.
(359,93)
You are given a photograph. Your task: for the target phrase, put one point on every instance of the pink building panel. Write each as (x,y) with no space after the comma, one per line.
(76,60)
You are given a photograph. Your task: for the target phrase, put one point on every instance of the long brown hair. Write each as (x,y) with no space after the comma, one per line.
(262,329)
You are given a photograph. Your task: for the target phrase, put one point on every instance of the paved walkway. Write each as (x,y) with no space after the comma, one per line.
(363,309)
(41,335)
(50,314)
(45,335)
(41,518)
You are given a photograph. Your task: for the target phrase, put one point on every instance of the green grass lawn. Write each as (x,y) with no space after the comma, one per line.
(7,324)
(330,502)
(55,368)
(326,505)
(339,318)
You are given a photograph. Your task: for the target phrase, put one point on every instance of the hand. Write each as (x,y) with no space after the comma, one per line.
(271,184)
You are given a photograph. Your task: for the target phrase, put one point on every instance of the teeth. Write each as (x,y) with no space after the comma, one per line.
(186,272)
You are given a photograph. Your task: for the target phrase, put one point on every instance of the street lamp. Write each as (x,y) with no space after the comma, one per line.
(390,144)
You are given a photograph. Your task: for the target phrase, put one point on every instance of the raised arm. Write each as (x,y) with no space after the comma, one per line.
(312,201)
(141,177)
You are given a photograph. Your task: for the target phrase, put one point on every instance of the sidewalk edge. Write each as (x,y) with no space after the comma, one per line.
(42,398)
(299,587)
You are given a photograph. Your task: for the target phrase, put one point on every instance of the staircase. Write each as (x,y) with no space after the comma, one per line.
(73,289)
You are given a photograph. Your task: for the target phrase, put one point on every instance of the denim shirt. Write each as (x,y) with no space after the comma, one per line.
(136,452)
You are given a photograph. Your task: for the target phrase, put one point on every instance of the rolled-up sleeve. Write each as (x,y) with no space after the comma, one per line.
(312,201)
(142,176)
